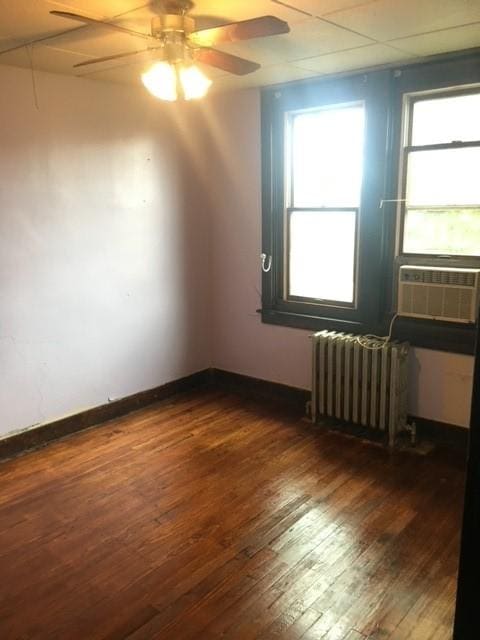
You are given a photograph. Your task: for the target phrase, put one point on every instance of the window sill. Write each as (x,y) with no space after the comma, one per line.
(309,322)
(427,334)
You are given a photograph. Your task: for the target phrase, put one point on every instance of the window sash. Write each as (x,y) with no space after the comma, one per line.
(436,231)
(291,206)
(320,301)
(439,94)
(289,126)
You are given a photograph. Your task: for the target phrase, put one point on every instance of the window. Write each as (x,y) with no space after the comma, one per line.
(323,144)
(364,173)
(441,162)
(324,168)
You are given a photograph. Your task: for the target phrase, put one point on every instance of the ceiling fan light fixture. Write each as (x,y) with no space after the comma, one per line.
(195,84)
(161,81)
(168,81)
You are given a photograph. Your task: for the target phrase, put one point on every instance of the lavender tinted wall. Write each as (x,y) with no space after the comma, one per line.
(440,383)
(103,283)
(129,243)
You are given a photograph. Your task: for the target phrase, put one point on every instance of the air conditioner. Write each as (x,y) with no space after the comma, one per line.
(439,293)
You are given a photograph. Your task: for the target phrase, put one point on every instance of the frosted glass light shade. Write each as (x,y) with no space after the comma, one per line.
(195,84)
(161,81)
(164,81)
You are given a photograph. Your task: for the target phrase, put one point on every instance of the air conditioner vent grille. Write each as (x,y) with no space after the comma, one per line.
(429,276)
(441,294)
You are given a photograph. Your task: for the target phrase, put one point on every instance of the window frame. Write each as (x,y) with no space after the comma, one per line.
(289,208)
(409,100)
(438,74)
(277,105)
(384,92)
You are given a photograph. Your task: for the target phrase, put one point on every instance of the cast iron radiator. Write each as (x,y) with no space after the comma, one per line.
(360,380)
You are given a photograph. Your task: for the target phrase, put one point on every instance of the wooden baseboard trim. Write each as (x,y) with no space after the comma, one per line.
(282,395)
(264,389)
(448,435)
(451,436)
(40,436)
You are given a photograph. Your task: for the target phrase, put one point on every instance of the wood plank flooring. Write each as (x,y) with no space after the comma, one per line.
(212,516)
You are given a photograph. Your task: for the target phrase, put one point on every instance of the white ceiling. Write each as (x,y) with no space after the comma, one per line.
(327,36)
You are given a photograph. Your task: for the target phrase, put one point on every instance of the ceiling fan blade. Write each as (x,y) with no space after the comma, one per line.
(244,30)
(30,43)
(114,57)
(225,61)
(101,23)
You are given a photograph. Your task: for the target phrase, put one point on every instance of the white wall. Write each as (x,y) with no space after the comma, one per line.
(103,270)
(441,386)
(130,234)
(441,383)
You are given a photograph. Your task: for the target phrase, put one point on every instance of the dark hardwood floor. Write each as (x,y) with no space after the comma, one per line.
(211,516)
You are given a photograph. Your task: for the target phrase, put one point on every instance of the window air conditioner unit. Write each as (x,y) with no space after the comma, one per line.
(439,293)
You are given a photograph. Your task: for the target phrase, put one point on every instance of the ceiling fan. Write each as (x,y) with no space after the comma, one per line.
(178,44)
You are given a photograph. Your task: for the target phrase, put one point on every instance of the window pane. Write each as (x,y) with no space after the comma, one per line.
(327,157)
(442,231)
(443,177)
(322,255)
(446,120)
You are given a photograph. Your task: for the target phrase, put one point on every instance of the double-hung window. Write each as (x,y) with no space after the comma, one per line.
(322,184)
(441,175)
(324,173)
(434,160)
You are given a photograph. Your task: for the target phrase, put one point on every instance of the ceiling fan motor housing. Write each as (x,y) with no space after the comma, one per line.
(175,6)
(172,30)
(169,22)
